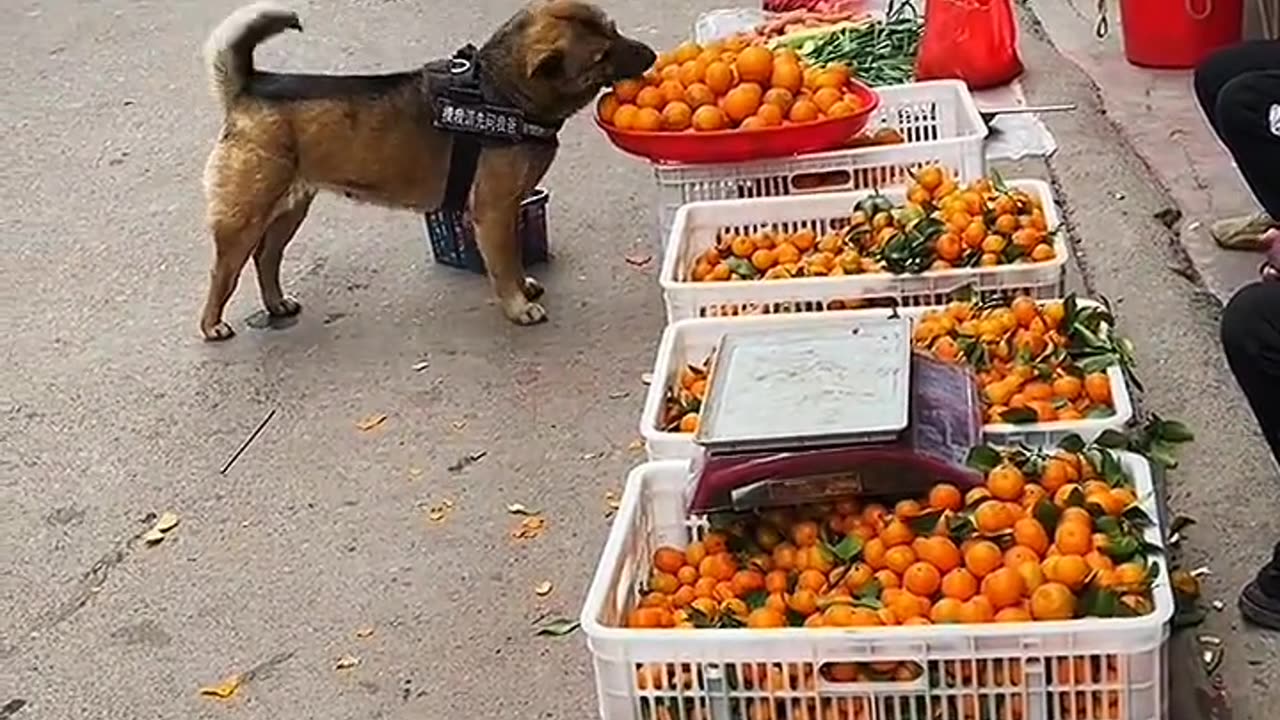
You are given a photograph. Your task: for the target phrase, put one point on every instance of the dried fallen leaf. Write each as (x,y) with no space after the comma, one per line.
(469,459)
(558,627)
(438,513)
(459,424)
(1185,583)
(224,689)
(1180,523)
(365,632)
(370,422)
(166,522)
(1168,217)
(636,445)
(543,588)
(415,472)
(592,455)
(618,394)
(520,509)
(346,662)
(611,503)
(1211,658)
(638,260)
(529,528)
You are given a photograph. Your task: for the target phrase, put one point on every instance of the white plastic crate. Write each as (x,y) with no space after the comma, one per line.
(938,119)
(690,341)
(1090,669)
(698,225)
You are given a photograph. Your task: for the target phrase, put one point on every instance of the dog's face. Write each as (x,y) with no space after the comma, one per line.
(573,50)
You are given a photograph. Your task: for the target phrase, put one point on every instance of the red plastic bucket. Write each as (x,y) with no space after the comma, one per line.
(1178,33)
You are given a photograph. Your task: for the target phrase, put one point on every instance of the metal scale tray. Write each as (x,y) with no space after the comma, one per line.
(809,414)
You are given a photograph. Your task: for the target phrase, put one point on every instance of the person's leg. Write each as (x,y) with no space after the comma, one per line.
(1227,64)
(1248,117)
(1248,112)
(1251,341)
(1213,74)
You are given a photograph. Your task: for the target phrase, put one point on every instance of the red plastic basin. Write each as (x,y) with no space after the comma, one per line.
(722,146)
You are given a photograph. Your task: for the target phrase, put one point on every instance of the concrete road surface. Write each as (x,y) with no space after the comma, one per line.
(112,408)
(112,411)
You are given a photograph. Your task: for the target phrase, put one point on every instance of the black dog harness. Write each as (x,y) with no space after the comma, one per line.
(476,115)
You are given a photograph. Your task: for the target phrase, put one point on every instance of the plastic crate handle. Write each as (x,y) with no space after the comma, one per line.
(819,181)
(864,688)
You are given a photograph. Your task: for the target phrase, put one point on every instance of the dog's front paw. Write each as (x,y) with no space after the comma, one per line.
(217,331)
(287,307)
(533,289)
(522,312)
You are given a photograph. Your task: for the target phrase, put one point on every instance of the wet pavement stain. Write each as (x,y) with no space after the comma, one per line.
(146,633)
(65,515)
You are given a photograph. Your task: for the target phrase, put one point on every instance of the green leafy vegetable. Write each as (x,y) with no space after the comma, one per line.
(878,52)
(983,458)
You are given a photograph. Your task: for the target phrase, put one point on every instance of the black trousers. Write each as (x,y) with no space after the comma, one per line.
(1239,91)
(1251,339)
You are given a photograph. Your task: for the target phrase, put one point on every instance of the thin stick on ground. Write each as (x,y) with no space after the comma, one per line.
(245,445)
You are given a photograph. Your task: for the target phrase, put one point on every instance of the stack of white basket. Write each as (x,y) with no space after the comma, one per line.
(1063,668)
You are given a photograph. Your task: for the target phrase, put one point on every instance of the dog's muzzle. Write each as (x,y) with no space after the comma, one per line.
(631,58)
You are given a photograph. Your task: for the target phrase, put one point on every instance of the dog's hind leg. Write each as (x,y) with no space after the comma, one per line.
(232,248)
(267,256)
(245,187)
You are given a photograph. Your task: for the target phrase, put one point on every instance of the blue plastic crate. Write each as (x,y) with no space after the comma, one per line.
(453,238)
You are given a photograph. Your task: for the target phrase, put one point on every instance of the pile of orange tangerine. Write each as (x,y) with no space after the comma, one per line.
(980,226)
(785,568)
(723,86)
(1019,352)
(985,224)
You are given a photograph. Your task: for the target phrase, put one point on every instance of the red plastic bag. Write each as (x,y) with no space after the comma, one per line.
(971,40)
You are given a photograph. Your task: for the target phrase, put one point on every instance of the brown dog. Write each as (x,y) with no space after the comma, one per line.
(373,138)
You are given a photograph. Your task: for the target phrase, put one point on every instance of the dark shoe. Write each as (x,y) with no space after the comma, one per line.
(1259,608)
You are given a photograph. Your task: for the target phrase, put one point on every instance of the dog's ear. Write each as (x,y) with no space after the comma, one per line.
(546,62)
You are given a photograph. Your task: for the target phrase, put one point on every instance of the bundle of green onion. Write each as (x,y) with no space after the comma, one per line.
(879,52)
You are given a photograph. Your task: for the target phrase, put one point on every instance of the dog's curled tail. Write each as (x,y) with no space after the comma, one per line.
(229,49)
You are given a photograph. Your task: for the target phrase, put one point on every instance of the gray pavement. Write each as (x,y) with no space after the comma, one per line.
(1227,480)
(1155,113)
(111,408)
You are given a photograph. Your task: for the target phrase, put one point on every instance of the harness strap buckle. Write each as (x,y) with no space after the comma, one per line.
(459,66)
